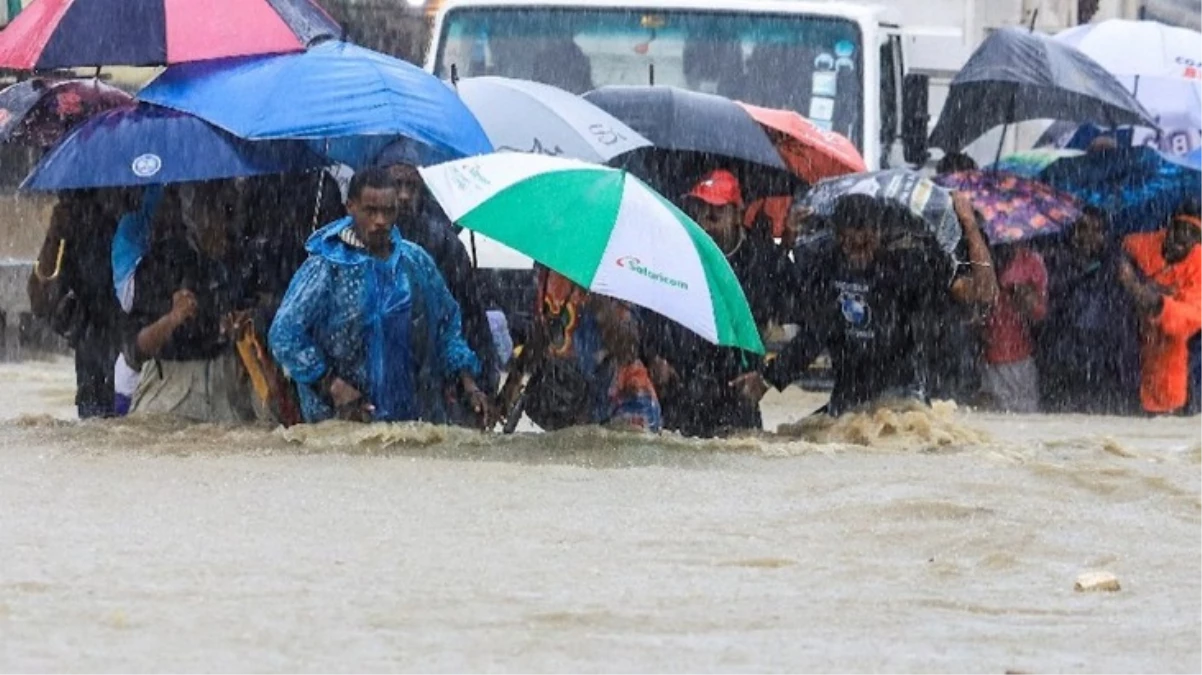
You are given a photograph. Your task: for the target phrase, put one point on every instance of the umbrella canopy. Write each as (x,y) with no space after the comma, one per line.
(1190,160)
(350,100)
(694,133)
(929,207)
(1029,163)
(1138,187)
(605,230)
(40,111)
(51,34)
(1159,64)
(1015,208)
(676,119)
(146,145)
(813,153)
(1016,75)
(531,117)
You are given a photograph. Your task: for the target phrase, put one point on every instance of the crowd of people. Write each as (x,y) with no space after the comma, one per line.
(276,298)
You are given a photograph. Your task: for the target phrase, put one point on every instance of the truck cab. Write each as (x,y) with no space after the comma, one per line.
(840,64)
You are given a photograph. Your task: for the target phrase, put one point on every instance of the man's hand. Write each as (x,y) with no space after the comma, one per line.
(349,403)
(751,386)
(794,224)
(1025,297)
(183,306)
(481,404)
(1147,297)
(235,324)
(662,372)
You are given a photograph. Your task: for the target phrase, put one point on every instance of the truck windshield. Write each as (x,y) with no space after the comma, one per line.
(801,62)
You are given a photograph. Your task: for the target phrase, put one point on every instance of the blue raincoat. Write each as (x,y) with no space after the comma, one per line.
(390,328)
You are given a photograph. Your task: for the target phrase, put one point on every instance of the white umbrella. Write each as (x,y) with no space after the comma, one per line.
(531,117)
(1161,65)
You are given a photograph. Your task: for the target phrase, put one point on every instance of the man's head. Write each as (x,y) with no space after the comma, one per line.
(954,162)
(1103,143)
(857,224)
(401,159)
(716,203)
(372,202)
(1185,232)
(208,211)
(1088,236)
(409,188)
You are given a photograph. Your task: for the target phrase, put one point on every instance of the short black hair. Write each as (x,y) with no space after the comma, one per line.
(376,178)
(955,162)
(858,211)
(1091,211)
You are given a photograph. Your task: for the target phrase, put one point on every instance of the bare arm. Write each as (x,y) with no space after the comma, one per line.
(981,286)
(153,338)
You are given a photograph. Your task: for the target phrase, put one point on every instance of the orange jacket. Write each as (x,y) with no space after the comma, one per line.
(1165,358)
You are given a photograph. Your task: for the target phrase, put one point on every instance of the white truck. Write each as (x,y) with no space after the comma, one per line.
(840,64)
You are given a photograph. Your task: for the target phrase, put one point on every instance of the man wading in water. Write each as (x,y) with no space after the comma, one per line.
(873,305)
(368,329)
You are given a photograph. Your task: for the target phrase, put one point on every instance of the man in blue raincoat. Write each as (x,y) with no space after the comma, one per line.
(368,329)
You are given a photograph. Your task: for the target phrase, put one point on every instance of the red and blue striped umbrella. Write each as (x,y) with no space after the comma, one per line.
(52,34)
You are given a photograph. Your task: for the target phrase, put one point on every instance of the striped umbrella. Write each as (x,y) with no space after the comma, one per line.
(605,230)
(53,34)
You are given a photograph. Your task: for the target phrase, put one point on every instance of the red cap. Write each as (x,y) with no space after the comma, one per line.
(718,188)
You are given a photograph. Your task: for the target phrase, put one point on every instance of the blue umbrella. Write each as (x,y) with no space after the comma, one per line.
(1194,159)
(349,100)
(1138,186)
(142,144)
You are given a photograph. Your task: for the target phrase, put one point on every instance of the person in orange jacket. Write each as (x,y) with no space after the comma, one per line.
(1163,275)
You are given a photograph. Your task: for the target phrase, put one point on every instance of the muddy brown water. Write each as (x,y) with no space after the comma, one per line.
(936,540)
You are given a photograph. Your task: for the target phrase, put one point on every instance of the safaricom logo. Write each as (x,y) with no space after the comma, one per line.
(635,265)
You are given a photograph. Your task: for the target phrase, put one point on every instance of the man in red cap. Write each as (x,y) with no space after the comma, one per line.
(700,386)
(1163,276)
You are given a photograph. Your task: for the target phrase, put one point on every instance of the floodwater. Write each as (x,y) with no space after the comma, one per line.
(944,541)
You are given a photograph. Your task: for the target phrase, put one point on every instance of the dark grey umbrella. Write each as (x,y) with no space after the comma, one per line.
(693,133)
(1017,75)
(676,119)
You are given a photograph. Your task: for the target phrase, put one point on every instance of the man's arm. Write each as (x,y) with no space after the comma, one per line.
(291,336)
(459,362)
(980,286)
(152,338)
(463,284)
(815,323)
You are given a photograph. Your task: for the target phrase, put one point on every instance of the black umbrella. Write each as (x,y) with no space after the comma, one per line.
(1018,75)
(693,133)
(40,111)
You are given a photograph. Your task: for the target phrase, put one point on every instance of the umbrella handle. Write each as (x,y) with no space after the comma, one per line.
(58,264)
(321,184)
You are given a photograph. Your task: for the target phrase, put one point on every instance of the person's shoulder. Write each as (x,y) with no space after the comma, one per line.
(416,255)
(818,249)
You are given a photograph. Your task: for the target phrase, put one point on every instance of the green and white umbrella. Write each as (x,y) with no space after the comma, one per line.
(605,230)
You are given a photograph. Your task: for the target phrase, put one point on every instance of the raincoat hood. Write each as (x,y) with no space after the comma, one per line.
(327,243)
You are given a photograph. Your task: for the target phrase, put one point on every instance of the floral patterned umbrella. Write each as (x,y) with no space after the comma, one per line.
(38,112)
(1015,208)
